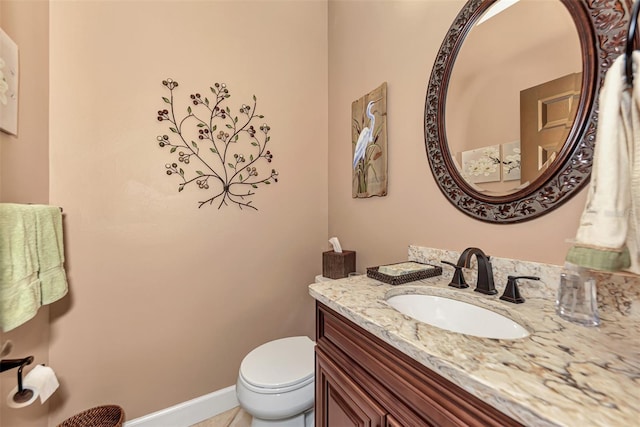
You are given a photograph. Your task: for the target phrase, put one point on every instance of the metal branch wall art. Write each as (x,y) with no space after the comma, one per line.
(226,164)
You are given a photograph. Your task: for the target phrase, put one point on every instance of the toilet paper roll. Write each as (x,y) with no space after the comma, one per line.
(13,404)
(43,380)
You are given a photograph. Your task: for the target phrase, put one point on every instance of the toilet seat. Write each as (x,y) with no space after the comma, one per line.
(279,366)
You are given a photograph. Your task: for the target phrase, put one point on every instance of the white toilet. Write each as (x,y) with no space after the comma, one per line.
(276,383)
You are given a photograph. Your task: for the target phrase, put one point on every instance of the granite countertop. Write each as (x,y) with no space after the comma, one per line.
(562,374)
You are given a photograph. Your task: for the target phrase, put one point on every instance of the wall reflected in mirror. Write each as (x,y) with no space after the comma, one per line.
(513,95)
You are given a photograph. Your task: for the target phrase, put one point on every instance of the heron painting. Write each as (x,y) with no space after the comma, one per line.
(369,144)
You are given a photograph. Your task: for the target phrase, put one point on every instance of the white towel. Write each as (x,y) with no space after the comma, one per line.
(607,238)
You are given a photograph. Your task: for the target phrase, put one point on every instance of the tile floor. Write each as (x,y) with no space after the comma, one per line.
(235,417)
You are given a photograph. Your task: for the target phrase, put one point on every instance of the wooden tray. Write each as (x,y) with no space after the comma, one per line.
(431,271)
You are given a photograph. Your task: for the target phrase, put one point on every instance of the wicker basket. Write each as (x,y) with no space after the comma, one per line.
(100,416)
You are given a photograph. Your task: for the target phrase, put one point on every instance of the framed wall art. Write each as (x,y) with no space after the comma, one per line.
(511,161)
(369,144)
(8,84)
(482,164)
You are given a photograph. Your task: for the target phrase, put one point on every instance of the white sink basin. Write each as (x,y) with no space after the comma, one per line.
(457,316)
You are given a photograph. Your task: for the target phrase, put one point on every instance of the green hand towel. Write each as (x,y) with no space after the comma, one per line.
(53,279)
(31,261)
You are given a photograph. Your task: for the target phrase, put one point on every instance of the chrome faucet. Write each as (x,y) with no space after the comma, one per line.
(485,273)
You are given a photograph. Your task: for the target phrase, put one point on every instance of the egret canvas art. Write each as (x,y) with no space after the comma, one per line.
(369,144)
(8,84)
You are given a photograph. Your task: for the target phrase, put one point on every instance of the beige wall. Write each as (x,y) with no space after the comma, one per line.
(24,159)
(397,42)
(167,298)
(24,177)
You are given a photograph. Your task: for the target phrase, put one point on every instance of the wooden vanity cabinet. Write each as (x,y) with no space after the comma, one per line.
(363,381)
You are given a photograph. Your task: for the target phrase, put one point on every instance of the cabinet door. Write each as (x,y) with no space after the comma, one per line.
(392,422)
(340,401)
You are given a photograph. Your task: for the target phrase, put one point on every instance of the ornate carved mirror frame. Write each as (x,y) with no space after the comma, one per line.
(602,29)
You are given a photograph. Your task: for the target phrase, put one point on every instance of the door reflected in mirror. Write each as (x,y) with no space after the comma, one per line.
(513,95)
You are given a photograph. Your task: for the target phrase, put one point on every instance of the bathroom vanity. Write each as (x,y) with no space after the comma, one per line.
(361,380)
(378,367)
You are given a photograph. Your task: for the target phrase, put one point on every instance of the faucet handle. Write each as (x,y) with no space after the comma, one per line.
(511,292)
(457,281)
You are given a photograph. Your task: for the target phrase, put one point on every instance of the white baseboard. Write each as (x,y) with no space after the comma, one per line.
(191,412)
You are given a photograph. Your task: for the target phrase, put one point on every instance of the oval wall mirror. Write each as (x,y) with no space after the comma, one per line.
(511,107)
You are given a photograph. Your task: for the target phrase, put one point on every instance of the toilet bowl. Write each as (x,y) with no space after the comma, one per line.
(276,383)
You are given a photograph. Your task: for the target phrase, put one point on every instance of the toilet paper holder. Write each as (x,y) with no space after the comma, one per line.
(23,394)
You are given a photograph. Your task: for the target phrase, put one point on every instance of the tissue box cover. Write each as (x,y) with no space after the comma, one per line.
(336,265)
